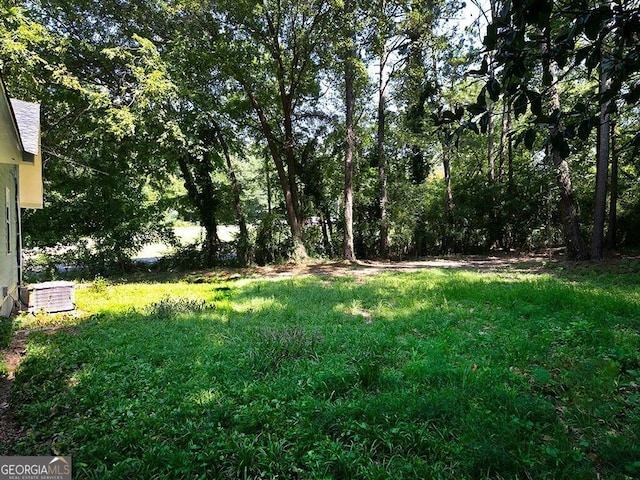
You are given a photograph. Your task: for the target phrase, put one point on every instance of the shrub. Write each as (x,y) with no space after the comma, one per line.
(273,240)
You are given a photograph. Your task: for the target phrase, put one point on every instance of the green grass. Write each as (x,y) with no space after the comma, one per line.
(438,374)
(6,333)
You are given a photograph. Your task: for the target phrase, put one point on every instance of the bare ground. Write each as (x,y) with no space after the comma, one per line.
(552,261)
(373,267)
(9,431)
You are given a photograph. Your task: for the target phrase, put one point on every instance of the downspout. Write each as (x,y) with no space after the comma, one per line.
(22,293)
(18,229)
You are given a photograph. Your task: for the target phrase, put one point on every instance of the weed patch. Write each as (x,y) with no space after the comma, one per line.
(171,307)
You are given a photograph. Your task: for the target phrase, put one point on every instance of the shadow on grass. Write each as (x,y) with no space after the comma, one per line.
(433,374)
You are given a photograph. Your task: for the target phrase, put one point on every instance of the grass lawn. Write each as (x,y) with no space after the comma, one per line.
(434,374)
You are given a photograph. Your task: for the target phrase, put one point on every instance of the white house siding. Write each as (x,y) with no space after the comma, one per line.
(8,240)
(20,181)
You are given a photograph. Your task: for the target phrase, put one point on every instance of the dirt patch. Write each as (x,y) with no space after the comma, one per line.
(12,356)
(489,263)
(553,260)
(9,431)
(550,261)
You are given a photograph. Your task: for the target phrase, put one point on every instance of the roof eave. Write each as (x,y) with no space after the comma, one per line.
(13,115)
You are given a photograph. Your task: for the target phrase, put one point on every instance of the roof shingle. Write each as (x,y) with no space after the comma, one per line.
(27,116)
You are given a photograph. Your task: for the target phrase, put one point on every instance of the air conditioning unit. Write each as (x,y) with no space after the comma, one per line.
(51,297)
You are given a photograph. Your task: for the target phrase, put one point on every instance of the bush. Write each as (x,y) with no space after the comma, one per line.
(273,240)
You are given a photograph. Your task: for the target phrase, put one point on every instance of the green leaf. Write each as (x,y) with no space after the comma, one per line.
(570,131)
(633,96)
(584,129)
(472,126)
(484,122)
(482,98)
(520,105)
(561,58)
(448,115)
(540,12)
(493,87)
(592,26)
(491,38)
(475,109)
(535,100)
(560,145)
(484,68)
(593,59)
(581,108)
(582,54)
(530,138)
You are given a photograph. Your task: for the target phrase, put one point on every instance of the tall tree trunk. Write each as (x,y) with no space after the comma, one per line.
(382,161)
(326,213)
(416,111)
(268,180)
(510,161)
(570,226)
(381,134)
(504,148)
(350,140)
(506,156)
(202,196)
(286,101)
(448,199)
(490,150)
(494,227)
(491,118)
(243,241)
(326,238)
(211,241)
(290,198)
(612,242)
(349,252)
(602,168)
(289,156)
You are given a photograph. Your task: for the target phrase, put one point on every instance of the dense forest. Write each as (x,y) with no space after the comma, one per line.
(334,128)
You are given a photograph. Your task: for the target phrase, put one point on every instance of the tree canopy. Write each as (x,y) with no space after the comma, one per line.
(343,128)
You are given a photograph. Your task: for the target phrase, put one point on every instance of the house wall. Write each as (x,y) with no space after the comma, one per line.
(30,185)
(8,239)
(10,149)
(20,186)
(10,155)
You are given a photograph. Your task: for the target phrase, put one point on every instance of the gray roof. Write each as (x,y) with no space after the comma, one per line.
(28,119)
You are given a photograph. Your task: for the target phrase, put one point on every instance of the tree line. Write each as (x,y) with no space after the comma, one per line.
(341,128)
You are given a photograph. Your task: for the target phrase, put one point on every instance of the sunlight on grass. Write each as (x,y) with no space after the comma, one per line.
(432,374)
(257,304)
(121,297)
(206,398)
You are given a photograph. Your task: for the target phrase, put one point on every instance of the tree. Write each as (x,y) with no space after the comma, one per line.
(542,36)
(557,148)
(350,58)
(94,101)
(271,50)
(133,99)
(602,162)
